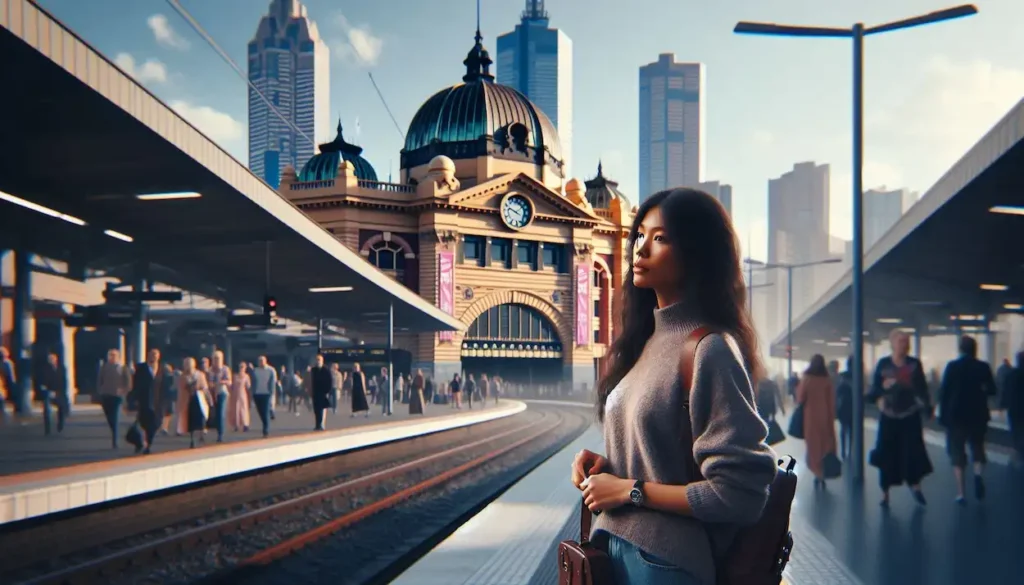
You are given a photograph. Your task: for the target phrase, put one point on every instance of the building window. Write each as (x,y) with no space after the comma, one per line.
(472,249)
(390,258)
(512,323)
(554,256)
(501,251)
(527,253)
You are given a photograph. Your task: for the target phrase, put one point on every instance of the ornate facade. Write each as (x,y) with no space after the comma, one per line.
(484,224)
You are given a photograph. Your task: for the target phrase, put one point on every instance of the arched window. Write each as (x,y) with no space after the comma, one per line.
(512,322)
(389,257)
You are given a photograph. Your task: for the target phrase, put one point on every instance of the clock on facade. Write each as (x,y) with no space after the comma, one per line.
(516,211)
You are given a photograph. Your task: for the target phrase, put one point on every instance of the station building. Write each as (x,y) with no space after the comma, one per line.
(484,222)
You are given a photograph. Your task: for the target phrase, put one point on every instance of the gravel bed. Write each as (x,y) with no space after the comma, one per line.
(364,550)
(278,528)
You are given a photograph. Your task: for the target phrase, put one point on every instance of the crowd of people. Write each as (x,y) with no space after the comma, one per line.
(204,396)
(960,400)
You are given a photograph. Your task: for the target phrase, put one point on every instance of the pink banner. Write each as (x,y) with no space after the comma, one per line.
(446,289)
(584,312)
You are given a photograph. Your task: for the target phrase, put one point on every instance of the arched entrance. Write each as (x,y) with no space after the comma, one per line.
(515,341)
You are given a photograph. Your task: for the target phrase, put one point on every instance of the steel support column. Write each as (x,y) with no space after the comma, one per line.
(22,332)
(391,363)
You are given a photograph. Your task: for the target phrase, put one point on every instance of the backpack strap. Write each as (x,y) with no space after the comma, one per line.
(686,366)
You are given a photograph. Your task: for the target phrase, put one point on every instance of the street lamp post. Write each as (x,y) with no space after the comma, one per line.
(857,33)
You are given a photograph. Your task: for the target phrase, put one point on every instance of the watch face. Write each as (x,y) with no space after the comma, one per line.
(636,496)
(516,212)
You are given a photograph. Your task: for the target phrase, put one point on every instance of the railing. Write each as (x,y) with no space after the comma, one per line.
(309,185)
(389,187)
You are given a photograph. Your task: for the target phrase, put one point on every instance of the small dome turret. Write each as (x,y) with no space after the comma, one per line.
(324,166)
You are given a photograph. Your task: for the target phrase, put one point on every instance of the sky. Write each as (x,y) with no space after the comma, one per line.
(931,93)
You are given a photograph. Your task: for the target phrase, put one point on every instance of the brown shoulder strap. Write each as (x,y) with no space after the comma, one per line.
(689,354)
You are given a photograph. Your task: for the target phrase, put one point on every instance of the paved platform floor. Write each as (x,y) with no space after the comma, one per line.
(86,438)
(938,544)
(842,535)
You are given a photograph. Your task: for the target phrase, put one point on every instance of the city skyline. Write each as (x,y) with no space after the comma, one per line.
(773,102)
(538,61)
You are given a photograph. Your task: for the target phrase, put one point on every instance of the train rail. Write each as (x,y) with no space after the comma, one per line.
(258,534)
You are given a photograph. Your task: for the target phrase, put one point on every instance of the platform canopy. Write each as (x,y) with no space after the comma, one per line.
(954,258)
(83,140)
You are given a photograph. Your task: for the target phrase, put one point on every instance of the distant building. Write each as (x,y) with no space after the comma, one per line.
(798,223)
(537,61)
(719,191)
(489,229)
(671,125)
(882,209)
(289,64)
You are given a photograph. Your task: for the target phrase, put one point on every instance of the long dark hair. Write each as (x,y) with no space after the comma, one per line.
(817,366)
(707,252)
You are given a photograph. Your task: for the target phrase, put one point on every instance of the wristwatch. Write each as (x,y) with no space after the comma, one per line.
(636,495)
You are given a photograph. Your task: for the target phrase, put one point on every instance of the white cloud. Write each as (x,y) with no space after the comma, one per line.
(166,35)
(953,105)
(762,138)
(359,45)
(218,126)
(151,71)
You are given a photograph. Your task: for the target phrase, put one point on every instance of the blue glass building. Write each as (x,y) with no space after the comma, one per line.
(537,61)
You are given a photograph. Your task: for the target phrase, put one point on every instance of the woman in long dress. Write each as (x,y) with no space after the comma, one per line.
(238,404)
(193,386)
(815,393)
(416,400)
(359,403)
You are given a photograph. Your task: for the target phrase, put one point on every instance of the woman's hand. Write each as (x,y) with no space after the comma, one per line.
(604,491)
(586,463)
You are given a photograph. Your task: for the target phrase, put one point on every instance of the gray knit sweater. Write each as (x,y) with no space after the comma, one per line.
(643,432)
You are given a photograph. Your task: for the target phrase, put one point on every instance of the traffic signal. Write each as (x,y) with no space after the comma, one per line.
(270,309)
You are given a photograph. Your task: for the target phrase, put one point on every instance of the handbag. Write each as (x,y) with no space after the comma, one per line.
(831,466)
(796,423)
(775,434)
(583,563)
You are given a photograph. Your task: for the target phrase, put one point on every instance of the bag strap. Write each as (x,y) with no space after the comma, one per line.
(586,518)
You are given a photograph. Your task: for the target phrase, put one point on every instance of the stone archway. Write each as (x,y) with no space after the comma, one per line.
(398,240)
(510,297)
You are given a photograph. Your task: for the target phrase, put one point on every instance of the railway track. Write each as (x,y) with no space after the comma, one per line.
(253,536)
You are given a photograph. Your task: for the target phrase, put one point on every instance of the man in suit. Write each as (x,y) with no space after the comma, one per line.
(321,388)
(147,382)
(52,385)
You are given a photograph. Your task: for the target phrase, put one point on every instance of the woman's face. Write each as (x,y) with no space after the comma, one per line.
(654,265)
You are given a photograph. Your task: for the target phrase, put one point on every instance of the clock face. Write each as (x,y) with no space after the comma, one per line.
(516,212)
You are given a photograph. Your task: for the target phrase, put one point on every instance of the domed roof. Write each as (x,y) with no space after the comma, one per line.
(324,166)
(601,190)
(454,120)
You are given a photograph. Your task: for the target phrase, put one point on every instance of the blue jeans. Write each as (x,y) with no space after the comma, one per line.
(635,567)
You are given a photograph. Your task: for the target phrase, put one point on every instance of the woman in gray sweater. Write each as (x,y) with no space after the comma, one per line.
(671,498)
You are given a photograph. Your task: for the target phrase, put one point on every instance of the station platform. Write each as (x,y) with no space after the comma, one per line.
(50,474)
(842,536)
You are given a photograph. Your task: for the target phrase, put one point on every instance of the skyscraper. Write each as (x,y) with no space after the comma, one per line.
(719,191)
(537,61)
(798,216)
(289,65)
(671,125)
(882,209)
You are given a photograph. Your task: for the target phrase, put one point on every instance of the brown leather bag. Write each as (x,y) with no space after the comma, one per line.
(583,563)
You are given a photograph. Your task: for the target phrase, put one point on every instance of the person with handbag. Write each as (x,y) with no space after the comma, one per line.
(668,511)
(900,391)
(818,401)
(192,383)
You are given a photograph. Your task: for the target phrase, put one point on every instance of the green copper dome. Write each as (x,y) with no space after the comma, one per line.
(479,116)
(324,166)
